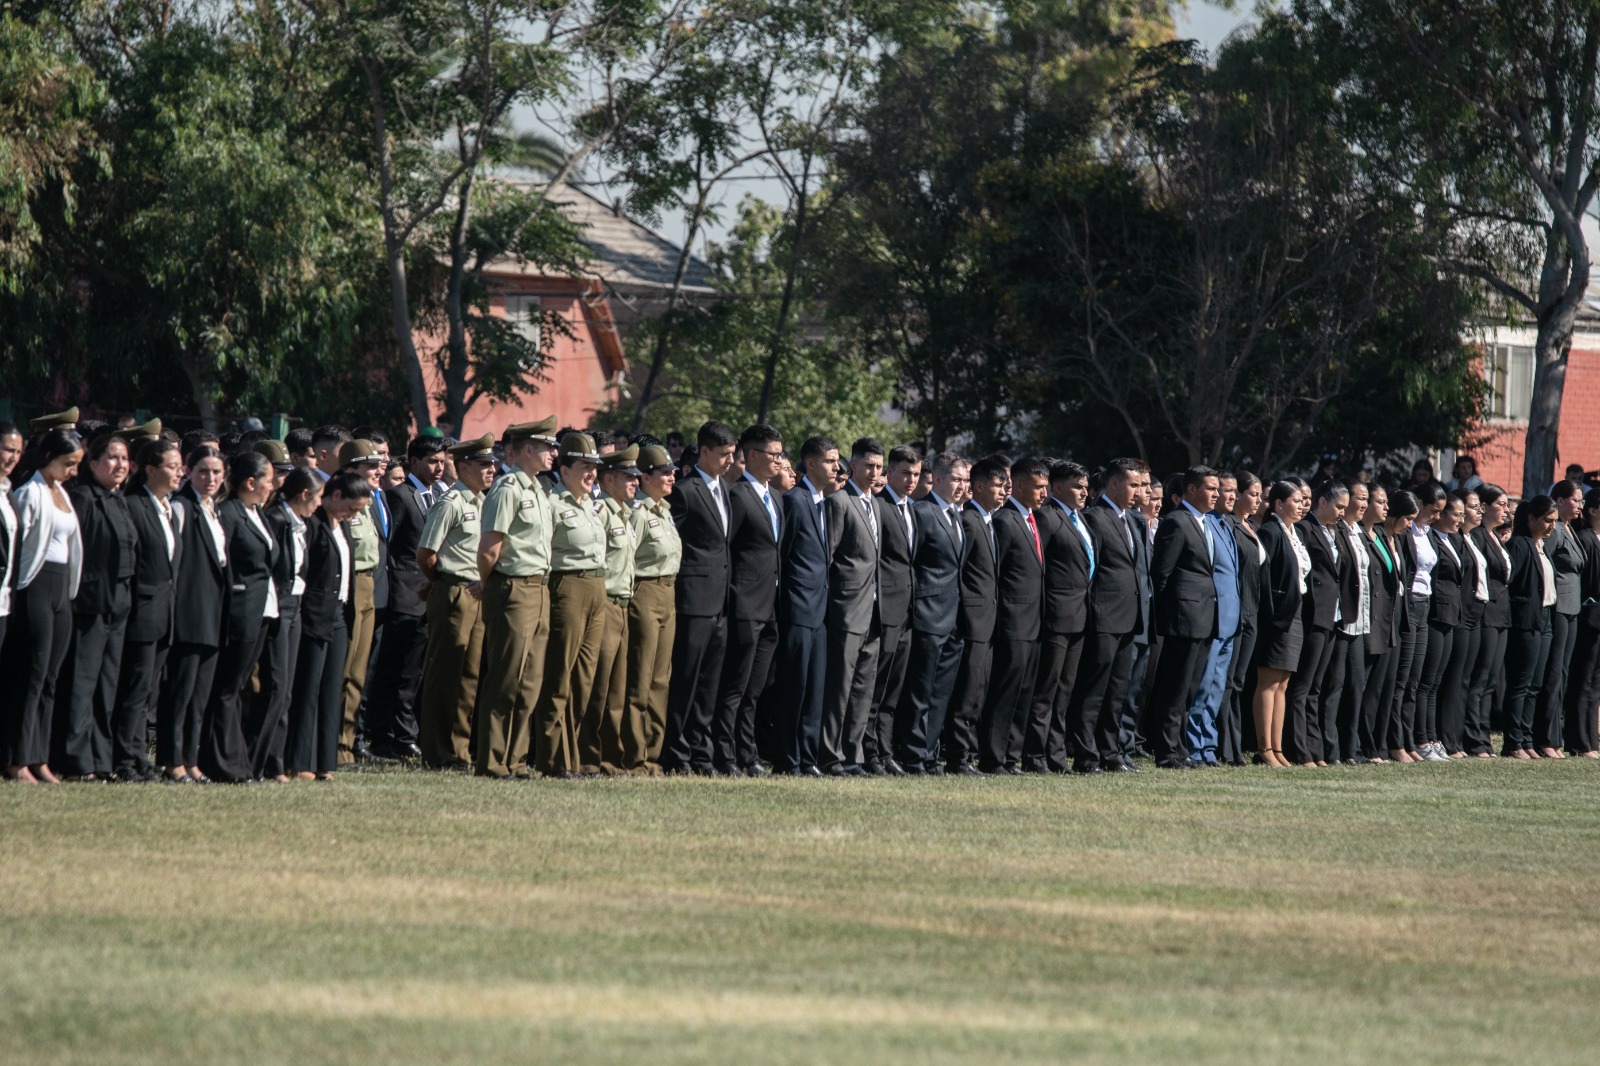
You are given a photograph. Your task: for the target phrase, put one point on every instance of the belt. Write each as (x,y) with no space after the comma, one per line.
(580,573)
(529,579)
(620,601)
(665,579)
(456,579)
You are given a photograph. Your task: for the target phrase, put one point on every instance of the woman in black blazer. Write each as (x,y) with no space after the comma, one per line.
(1444,615)
(1488,675)
(316,710)
(252,601)
(157,469)
(1532,592)
(267,725)
(1551,729)
(200,606)
(1252,560)
(1278,622)
(1381,646)
(1583,681)
(1455,694)
(88,686)
(1404,511)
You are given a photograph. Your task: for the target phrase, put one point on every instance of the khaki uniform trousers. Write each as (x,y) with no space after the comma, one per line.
(363,619)
(575,629)
(516,625)
(450,674)
(652,625)
(600,730)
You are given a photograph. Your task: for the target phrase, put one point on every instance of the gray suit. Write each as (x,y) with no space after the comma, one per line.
(852,626)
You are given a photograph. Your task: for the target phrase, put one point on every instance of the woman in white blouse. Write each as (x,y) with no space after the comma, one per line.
(10,453)
(1532,590)
(48,565)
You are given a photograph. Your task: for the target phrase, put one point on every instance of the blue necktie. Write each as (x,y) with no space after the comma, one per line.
(772,516)
(1087,546)
(383,514)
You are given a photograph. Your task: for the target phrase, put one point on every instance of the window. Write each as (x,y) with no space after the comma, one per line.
(523,314)
(1509,368)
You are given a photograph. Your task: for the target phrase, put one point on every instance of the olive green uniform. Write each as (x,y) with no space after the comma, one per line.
(600,730)
(455,630)
(362,617)
(577,596)
(516,623)
(652,624)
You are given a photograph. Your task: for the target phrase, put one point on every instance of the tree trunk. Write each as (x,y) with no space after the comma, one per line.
(769,372)
(1540,447)
(457,354)
(658,358)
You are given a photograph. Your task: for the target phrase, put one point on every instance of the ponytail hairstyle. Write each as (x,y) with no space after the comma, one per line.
(44,450)
(1246,481)
(244,466)
(1403,504)
(1280,491)
(295,482)
(1527,510)
(151,453)
(95,450)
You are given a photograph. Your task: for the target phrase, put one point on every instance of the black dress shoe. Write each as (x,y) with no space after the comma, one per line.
(966,769)
(934,770)
(1085,771)
(913,769)
(1175,764)
(757,770)
(811,771)
(727,771)
(855,771)
(893,769)
(834,771)
(875,769)
(1121,766)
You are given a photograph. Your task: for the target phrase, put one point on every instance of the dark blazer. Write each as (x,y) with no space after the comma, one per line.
(1349,575)
(894,564)
(1497,615)
(1019,577)
(405,533)
(1322,586)
(936,569)
(1387,582)
(1181,576)
(1561,548)
(753,554)
(852,560)
(110,549)
(380,573)
(803,562)
(980,595)
(702,588)
(155,576)
(1588,578)
(250,560)
(200,604)
(1116,597)
(321,613)
(1445,604)
(1281,579)
(1066,571)
(1526,587)
(1252,586)
(281,525)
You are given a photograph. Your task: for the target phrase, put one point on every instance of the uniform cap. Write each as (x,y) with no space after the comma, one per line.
(542,431)
(60,420)
(623,462)
(151,430)
(275,453)
(352,452)
(579,446)
(482,448)
(653,457)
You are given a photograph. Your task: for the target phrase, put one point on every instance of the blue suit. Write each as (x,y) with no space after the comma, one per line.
(1201,729)
(802,649)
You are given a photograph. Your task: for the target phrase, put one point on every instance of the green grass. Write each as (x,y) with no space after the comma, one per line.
(1430,914)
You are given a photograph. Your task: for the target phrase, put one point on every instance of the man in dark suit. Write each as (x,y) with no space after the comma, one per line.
(754,533)
(935,658)
(369,726)
(895,581)
(1348,671)
(1068,569)
(1143,519)
(975,619)
(1321,613)
(1019,577)
(1116,616)
(796,735)
(854,539)
(398,664)
(700,511)
(1184,612)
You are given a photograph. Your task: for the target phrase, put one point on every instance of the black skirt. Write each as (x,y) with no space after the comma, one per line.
(1280,649)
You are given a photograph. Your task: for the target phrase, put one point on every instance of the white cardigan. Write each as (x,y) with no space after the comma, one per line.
(36,515)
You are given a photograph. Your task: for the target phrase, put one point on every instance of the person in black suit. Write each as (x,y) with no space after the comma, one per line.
(1444,617)
(1464,649)
(1116,616)
(1019,577)
(397,665)
(1346,680)
(700,509)
(854,538)
(976,613)
(802,613)
(1488,676)
(1281,627)
(1145,518)
(1381,647)
(200,614)
(253,600)
(1184,611)
(1321,615)
(895,591)
(1583,681)
(1068,570)
(755,529)
(1561,547)
(316,708)
(88,689)
(1250,494)
(1532,593)
(935,658)
(266,727)
(10,454)
(157,471)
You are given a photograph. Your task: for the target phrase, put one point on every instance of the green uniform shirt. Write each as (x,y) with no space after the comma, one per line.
(517,507)
(619,546)
(450,530)
(579,538)
(658,549)
(363,542)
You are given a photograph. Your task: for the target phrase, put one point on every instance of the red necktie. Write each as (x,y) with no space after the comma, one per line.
(1033,527)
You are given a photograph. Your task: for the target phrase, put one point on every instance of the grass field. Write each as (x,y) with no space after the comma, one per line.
(1429,914)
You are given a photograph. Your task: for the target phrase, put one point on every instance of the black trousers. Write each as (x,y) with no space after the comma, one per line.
(1457,686)
(1348,680)
(847,695)
(797,704)
(1178,670)
(1488,678)
(395,682)
(316,707)
(1095,714)
(37,640)
(142,661)
(1408,675)
(1044,742)
(224,752)
(1378,701)
(1441,640)
(1549,720)
(86,692)
(960,738)
(190,669)
(1010,694)
(1583,691)
(1527,652)
(746,669)
(1231,717)
(266,725)
(931,670)
(697,651)
(1135,694)
(1302,722)
(894,655)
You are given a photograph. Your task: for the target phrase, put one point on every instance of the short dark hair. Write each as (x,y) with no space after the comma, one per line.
(424,447)
(1195,476)
(1066,470)
(1329,490)
(1488,493)
(865,446)
(1280,491)
(372,433)
(816,447)
(351,486)
(323,436)
(944,462)
(1534,507)
(297,441)
(715,434)
(8,428)
(904,453)
(759,435)
(1123,467)
(295,482)
(196,437)
(1563,490)
(1431,492)
(989,468)
(1403,503)
(1029,468)
(602,437)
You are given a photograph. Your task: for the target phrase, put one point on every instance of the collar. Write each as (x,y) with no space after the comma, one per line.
(747,476)
(1018,505)
(419,485)
(816,493)
(1062,504)
(321,473)
(944,504)
(894,497)
(1192,509)
(1119,512)
(986,515)
(711,482)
